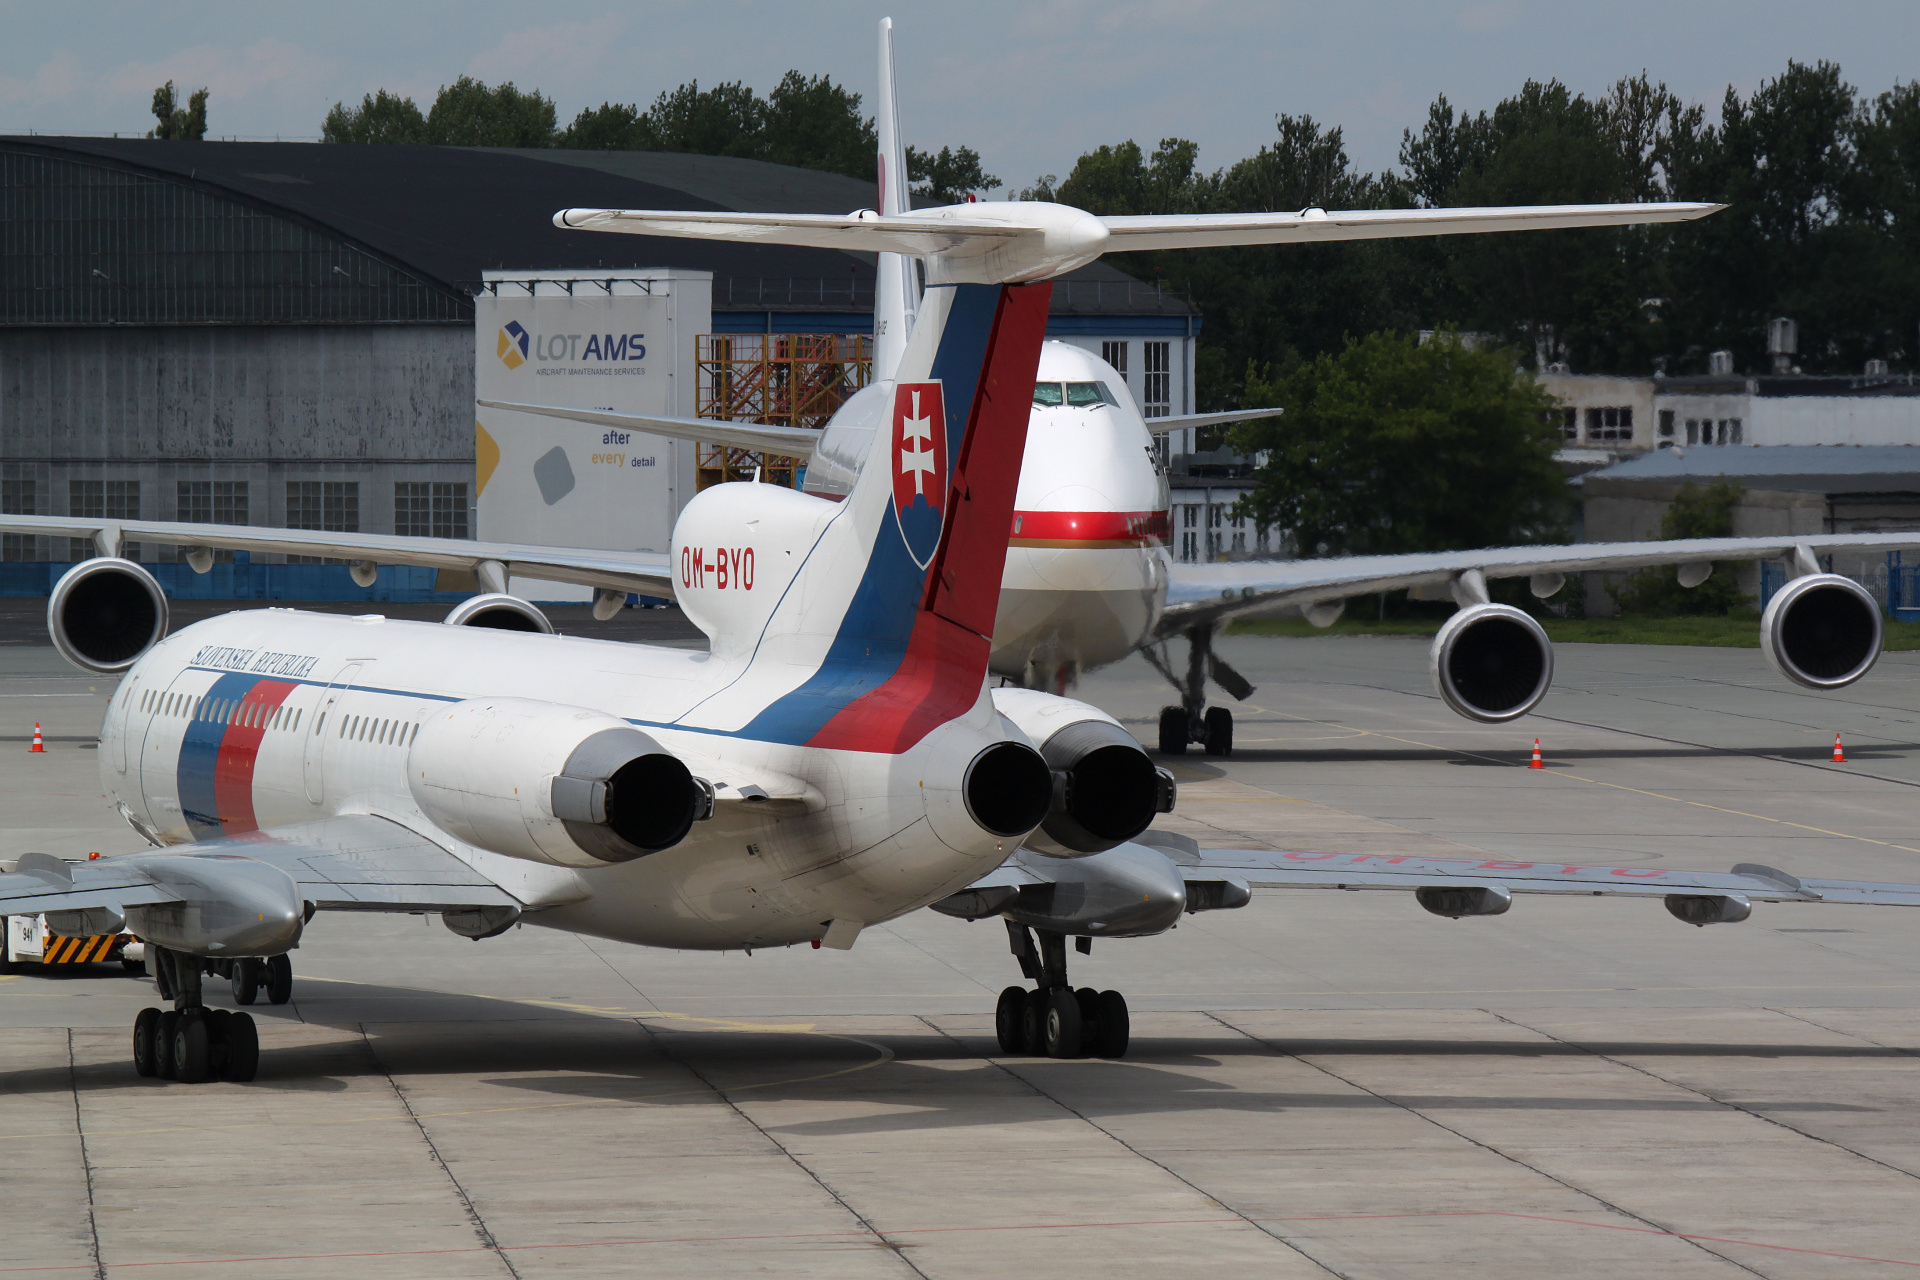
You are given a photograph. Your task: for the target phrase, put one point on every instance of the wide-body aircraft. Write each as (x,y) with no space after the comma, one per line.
(1089,581)
(834,760)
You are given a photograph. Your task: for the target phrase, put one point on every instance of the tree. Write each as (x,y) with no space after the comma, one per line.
(813,123)
(177,125)
(1390,445)
(1695,512)
(380,117)
(949,177)
(611,126)
(467,113)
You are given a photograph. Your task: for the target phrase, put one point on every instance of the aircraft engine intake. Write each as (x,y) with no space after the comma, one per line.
(104,613)
(1492,663)
(552,783)
(1821,631)
(1008,789)
(501,612)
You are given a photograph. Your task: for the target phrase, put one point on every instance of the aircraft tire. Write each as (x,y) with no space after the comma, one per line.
(246,981)
(1219,730)
(1033,1024)
(191,1047)
(279,980)
(163,1065)
(1173,731)
(1062,1028)
(243,1049)
(1115,1027)
(1007,1016)
(145,1024)
(137,968)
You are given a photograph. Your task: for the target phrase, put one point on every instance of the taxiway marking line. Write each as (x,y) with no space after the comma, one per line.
(980,1230)
(1617,786)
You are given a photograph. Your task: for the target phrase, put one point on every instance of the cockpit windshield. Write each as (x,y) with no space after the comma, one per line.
(1075,395)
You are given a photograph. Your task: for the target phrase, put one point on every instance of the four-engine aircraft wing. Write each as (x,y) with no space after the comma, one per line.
(493,563)
(1206,594)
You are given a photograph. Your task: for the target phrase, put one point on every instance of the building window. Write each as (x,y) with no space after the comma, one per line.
(1566,421)
(1239,543)
(1666,424)
(1730,432)
(212,502)
(430,510)
(1156,393)
(332,506)
(1612,424)
(1190,515)
(1189,546)
(19,497)
(102,500)
(1115,354)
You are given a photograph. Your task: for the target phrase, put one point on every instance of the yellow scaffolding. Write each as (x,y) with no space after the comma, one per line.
(775,379)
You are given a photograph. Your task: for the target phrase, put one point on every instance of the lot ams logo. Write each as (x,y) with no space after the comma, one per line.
(512,347)
(919,467)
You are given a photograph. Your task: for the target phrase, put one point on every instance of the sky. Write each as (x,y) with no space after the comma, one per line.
(1030,84)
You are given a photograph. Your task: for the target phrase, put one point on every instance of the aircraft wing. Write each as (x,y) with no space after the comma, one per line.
(1355,871)
(788,442)
(352,863)
(1201,594)
(647,572)
(1160,426)
(1317,226)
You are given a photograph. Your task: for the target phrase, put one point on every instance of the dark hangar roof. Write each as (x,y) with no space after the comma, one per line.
(447,214)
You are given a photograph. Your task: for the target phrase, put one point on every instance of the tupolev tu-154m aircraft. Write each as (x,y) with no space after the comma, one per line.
(833,761)
(1088,579)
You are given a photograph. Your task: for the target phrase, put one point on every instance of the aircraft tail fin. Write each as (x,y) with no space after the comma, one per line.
(906,582)
(896,296)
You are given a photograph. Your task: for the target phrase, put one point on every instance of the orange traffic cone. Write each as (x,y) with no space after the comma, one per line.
(1839,756)
(1537,764)
(38,745)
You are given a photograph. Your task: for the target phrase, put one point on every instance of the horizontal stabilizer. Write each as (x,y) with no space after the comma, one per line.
(1015,241)
(789,442)
(1318,226)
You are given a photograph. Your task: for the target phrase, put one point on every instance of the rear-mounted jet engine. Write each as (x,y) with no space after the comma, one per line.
(551,783)
(104,613)
(1106,790)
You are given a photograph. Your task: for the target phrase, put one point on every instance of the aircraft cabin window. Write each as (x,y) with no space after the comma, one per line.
(1048,394)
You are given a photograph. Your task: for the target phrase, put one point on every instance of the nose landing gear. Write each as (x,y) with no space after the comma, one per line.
(191,1042)
(1053,1019)
(1193,721)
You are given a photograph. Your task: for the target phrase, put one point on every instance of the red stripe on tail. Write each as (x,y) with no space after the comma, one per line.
(947,654)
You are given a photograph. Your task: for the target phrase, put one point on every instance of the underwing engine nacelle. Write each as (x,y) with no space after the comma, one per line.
(1106,789)
(104,613)
(552,783)
(1492,663)
(1821,631)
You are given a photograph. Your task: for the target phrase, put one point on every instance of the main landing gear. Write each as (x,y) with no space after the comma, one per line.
(1053,1019)
(190,1042)
(1193,721)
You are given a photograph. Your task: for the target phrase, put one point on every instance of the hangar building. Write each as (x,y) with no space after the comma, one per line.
(282,334)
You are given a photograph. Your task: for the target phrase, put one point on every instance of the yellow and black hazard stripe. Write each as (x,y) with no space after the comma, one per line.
(84,950)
